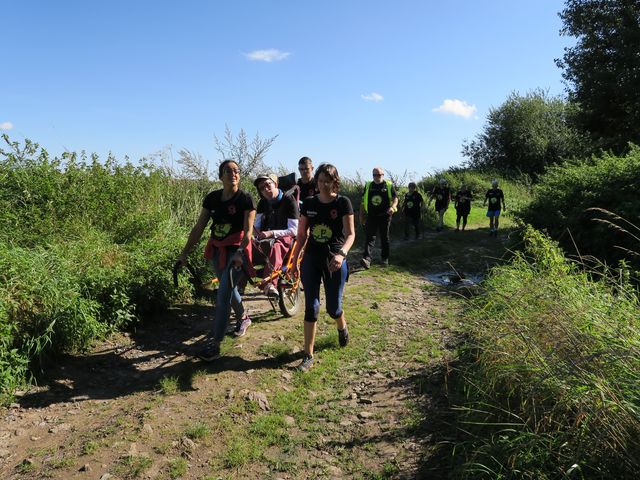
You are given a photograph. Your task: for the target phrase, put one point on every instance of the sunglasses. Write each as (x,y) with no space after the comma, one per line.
(266,185)
(378,174)
(234,171)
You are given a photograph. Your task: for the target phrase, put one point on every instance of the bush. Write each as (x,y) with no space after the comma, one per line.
(565,194)
(554,367)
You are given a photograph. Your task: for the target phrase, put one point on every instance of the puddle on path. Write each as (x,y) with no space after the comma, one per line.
(454,279)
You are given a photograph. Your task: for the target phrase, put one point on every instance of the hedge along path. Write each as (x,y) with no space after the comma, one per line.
(140,406)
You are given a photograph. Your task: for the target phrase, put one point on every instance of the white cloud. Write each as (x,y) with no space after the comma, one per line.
(6,126)
(270,55)
(372,97)
(456,107)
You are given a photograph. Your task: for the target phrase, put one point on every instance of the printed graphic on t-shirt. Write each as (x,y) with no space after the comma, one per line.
(493,200)
(221,230)
(321,233)
(439,197)
(409,205)
(376,200)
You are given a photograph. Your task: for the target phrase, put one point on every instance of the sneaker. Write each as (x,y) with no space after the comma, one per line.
(270,290)
(306,363)
(210,352)
(365,263)
(242,327)
(343,337)
(384,262)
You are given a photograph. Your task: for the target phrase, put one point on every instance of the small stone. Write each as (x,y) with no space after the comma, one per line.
(335,471)
(365,415)
(250,371)
(85,468)
(4,453)
(146,428)
(106,476)
(34,438)
(346,423)
(290,421)
(260,398)
(14,406)
(230,393)
(188,443)
(312,394)
(286,376)
(353,396)
(133,450)
(281,338)
(295,350)
(19,432)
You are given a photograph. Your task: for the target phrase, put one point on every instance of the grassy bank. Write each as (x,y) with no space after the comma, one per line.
(550,373)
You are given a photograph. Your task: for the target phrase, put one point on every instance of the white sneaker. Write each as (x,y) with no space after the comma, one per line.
(242,328)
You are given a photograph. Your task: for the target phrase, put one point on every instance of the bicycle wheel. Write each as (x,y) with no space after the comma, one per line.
(288,298)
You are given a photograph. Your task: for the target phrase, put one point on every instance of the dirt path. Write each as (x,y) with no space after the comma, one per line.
(141,406)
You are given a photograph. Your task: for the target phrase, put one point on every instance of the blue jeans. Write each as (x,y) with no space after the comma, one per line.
(228,296)
(311,275)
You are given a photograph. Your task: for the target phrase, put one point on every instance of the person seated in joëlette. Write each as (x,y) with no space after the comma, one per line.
(275,226)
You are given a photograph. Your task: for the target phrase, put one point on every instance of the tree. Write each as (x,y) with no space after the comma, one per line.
(525,134)
(602,70)
(248,154)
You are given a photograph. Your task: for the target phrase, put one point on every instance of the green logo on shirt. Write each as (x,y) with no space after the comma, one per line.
(221,230)
(409,204)
(376,200)
(321,233)
(493,200)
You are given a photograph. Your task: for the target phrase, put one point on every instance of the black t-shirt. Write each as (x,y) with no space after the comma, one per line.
(442,196)
(227,217)
(276,214)
(307,189)
(463,200)
(379,198)
(326,230)
(493,197)
(412,203)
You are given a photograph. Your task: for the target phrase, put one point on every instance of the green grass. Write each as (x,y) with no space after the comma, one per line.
(176,467)
(198,431)
(169,385)
(552,372)
(132,466)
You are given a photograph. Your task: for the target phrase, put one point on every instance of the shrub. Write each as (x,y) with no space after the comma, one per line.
(565,194)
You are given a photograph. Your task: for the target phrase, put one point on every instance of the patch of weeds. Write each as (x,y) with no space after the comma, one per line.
(197,431)
(89,447)
(200,373)
(177,467)
(169,385)
(26,466)
(241,450)
(274,349)
(271,429)
(132,466)
(389,470)
(162,448)
(58,463)
(281,465)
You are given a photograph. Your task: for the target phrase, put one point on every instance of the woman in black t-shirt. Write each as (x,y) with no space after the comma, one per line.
(326,220)
(232,212)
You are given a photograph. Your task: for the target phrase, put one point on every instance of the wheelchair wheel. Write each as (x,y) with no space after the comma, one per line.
(288,299)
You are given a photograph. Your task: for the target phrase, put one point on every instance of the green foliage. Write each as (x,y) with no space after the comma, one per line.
(602,69)
(85,247)
(551,382)
(566,192)
(526,134)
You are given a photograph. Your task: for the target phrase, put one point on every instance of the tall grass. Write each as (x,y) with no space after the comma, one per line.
(552,379)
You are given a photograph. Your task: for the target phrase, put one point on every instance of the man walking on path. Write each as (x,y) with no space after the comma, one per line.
(412,210)
(379,203)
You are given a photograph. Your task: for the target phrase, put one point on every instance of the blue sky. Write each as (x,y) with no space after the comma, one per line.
(354,83)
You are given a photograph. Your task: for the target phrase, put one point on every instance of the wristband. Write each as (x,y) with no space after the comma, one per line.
(342,252)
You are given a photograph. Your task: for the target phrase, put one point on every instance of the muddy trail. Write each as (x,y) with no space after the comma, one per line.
(141,405)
